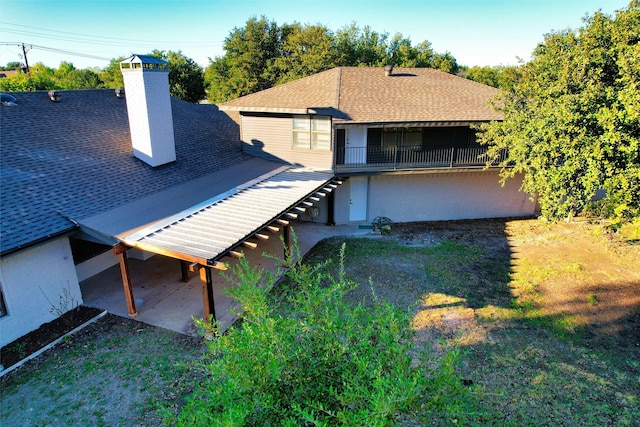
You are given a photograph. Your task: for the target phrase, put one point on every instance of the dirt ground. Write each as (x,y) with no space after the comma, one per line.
(570,270)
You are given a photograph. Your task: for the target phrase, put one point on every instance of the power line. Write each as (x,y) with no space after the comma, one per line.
(99,40)
(24,47)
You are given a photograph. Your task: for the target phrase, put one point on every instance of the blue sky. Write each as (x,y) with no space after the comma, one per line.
(476,32)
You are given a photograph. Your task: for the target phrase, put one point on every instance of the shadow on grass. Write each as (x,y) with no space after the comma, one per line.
(568,354)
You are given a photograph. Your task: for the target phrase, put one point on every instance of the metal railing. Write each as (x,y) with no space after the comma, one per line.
(406,157)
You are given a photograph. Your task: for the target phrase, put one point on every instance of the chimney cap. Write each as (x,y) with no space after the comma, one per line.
(144,62)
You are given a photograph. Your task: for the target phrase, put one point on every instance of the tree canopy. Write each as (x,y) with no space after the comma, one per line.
(501,76)
(263,54)
(41,77)
(572,120)
(186,78)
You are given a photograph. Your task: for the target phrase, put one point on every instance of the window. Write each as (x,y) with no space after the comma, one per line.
(3,307)
(392,137)
(312,133)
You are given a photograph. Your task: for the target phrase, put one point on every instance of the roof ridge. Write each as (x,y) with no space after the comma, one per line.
(339,94)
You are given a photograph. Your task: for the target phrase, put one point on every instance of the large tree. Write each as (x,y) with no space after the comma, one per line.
(572,121)
(263,54)
(306,50)
(111,75)
(501,76)
(186,77)
(247,65)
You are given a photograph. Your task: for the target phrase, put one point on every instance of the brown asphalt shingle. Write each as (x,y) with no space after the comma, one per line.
(366,95)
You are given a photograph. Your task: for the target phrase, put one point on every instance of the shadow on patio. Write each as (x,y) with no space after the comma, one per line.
(164,300)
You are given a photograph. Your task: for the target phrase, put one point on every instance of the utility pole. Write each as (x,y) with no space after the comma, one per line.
(26,62)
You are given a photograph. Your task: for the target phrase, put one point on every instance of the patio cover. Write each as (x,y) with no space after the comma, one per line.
(209,231)
(248,198)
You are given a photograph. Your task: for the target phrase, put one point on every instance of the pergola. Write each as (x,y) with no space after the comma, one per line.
(203,234)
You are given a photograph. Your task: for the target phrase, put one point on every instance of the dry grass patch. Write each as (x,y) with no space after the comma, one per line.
(547,316)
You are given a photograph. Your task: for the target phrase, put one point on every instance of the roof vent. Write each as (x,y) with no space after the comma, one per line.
(388,70)
(8,100)
(54,95)
(120,92)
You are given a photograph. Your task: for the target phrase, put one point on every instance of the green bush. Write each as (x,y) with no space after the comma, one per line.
(303,355)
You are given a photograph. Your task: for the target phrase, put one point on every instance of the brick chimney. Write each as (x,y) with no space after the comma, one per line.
(146,82)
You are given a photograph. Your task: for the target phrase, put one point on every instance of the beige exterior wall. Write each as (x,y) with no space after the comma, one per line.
(439,196)
(272,138)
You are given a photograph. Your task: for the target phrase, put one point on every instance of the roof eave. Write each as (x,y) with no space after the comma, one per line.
(276,110)
(264,109)
(37,242)
(342,124)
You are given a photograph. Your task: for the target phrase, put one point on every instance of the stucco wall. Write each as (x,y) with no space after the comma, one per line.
(32,283)
(439,196)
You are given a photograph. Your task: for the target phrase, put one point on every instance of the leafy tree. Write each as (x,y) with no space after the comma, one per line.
(69,77)
(572,121)
(186,77)
(20,82)
(364,46)
(247,64)
(316,359)
(306,50)
(261,55)
(40,77)
(501,76)
(111,75)
(11,66)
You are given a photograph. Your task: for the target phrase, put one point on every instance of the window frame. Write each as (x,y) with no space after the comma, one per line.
(311,133)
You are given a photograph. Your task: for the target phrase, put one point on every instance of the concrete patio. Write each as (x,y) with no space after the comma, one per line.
(164,300)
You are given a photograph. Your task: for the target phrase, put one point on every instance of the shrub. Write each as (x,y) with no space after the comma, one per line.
(306,356)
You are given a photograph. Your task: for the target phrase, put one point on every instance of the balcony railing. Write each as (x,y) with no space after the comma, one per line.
(409,157)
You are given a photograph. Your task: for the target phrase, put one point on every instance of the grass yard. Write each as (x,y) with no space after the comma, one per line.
(547,316)
(115,372)
(546,319)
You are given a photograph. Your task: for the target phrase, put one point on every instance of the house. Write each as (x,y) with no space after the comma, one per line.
(93,178)
(403,140)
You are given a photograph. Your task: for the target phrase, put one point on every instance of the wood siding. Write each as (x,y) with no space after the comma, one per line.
(271,137)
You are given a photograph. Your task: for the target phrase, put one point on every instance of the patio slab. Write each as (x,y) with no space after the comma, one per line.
(163,300)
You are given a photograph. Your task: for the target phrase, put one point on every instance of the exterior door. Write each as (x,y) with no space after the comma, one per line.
(358,198)
(356,152)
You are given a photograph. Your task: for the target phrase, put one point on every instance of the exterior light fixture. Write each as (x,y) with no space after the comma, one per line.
(54,95)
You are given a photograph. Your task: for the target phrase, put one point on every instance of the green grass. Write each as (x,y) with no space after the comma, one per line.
(533,369)
(146,370)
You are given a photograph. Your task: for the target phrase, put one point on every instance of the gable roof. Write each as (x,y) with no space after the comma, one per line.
(62,162)
(358,95)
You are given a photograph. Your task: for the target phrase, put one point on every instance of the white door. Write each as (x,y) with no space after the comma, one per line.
(356,147)
(358,199)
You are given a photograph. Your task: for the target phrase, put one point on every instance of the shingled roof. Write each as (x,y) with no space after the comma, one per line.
(73,159)
(357,95)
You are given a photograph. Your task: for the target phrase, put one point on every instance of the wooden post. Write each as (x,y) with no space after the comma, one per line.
(207,293)
(126,282)
(331,207)
(184,269)
(286,235)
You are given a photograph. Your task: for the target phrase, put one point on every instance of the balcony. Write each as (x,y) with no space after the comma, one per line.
(362,159)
